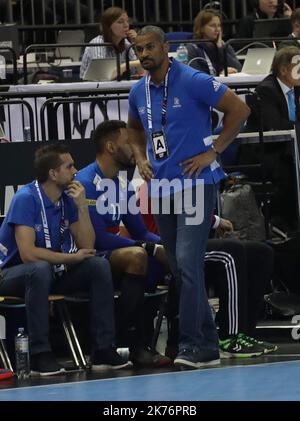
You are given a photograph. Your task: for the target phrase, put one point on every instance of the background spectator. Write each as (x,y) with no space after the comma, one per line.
(207,56)
(276,92)
(295,22)
(115,28)
(262,9)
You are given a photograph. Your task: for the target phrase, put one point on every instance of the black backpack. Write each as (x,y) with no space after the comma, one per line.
(238,204)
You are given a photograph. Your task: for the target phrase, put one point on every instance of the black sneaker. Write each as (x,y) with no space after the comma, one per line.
(239,346)
(44,364)
(145,357)
(195,358)
(266,346)
(108,358)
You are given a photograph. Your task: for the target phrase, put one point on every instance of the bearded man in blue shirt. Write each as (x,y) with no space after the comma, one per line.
(47,221)
(170,108)
(137,262)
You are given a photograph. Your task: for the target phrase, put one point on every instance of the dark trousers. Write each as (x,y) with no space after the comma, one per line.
(35,281)
(239,272)
(185,245)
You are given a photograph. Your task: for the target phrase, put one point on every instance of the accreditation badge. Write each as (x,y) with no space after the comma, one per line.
(159,145)
(59,270)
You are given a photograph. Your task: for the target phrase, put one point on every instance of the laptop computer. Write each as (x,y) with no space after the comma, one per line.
(100,69)
(265,28)
(9,38)
(258,61)
(69,37)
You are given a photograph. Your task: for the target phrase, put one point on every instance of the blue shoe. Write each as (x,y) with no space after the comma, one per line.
(195,358)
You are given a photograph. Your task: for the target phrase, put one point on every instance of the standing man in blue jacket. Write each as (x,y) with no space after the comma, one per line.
(170,109)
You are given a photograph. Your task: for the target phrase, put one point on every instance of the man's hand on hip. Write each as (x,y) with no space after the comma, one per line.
(194,165)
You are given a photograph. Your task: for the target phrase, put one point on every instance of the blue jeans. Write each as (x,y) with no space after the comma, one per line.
(35,281)
(185,246)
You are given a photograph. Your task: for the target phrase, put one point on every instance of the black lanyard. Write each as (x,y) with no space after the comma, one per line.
(164,103)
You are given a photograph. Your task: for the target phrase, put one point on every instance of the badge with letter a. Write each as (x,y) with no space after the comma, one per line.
(159,145)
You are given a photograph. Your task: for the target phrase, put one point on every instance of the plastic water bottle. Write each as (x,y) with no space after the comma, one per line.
(182,54)
(22,354)
(27,134)
(213,312)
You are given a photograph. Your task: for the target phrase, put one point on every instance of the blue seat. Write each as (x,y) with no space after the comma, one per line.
(177,36)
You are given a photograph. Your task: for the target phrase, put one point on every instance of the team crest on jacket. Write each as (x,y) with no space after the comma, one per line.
(176,102)
(216,85)
(97,182)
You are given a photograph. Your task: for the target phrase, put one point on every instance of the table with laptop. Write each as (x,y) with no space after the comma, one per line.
(63,60)
(75,88)
(66,60)
(100,69)
(116,109)
(257,61)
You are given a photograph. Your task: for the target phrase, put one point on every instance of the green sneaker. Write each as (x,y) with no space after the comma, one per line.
(267,346)
(238,347)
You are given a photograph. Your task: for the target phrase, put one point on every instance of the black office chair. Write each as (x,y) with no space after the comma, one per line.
(254,168)
(59,301)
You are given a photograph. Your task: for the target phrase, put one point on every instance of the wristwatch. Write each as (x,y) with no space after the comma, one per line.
(215,150)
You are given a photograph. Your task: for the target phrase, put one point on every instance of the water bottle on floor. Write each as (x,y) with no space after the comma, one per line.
(22,354)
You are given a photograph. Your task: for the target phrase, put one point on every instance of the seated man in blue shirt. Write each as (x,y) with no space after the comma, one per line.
(46,222)
(111,200)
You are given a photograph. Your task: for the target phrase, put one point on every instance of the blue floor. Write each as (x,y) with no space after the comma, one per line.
(274,381)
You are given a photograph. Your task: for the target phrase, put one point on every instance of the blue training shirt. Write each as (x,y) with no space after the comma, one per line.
(191,95)
(106,224)
(25,209)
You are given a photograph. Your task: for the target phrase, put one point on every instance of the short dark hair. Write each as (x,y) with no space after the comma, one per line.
(47,158)
(107,130)
(151,29)
(284,57)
